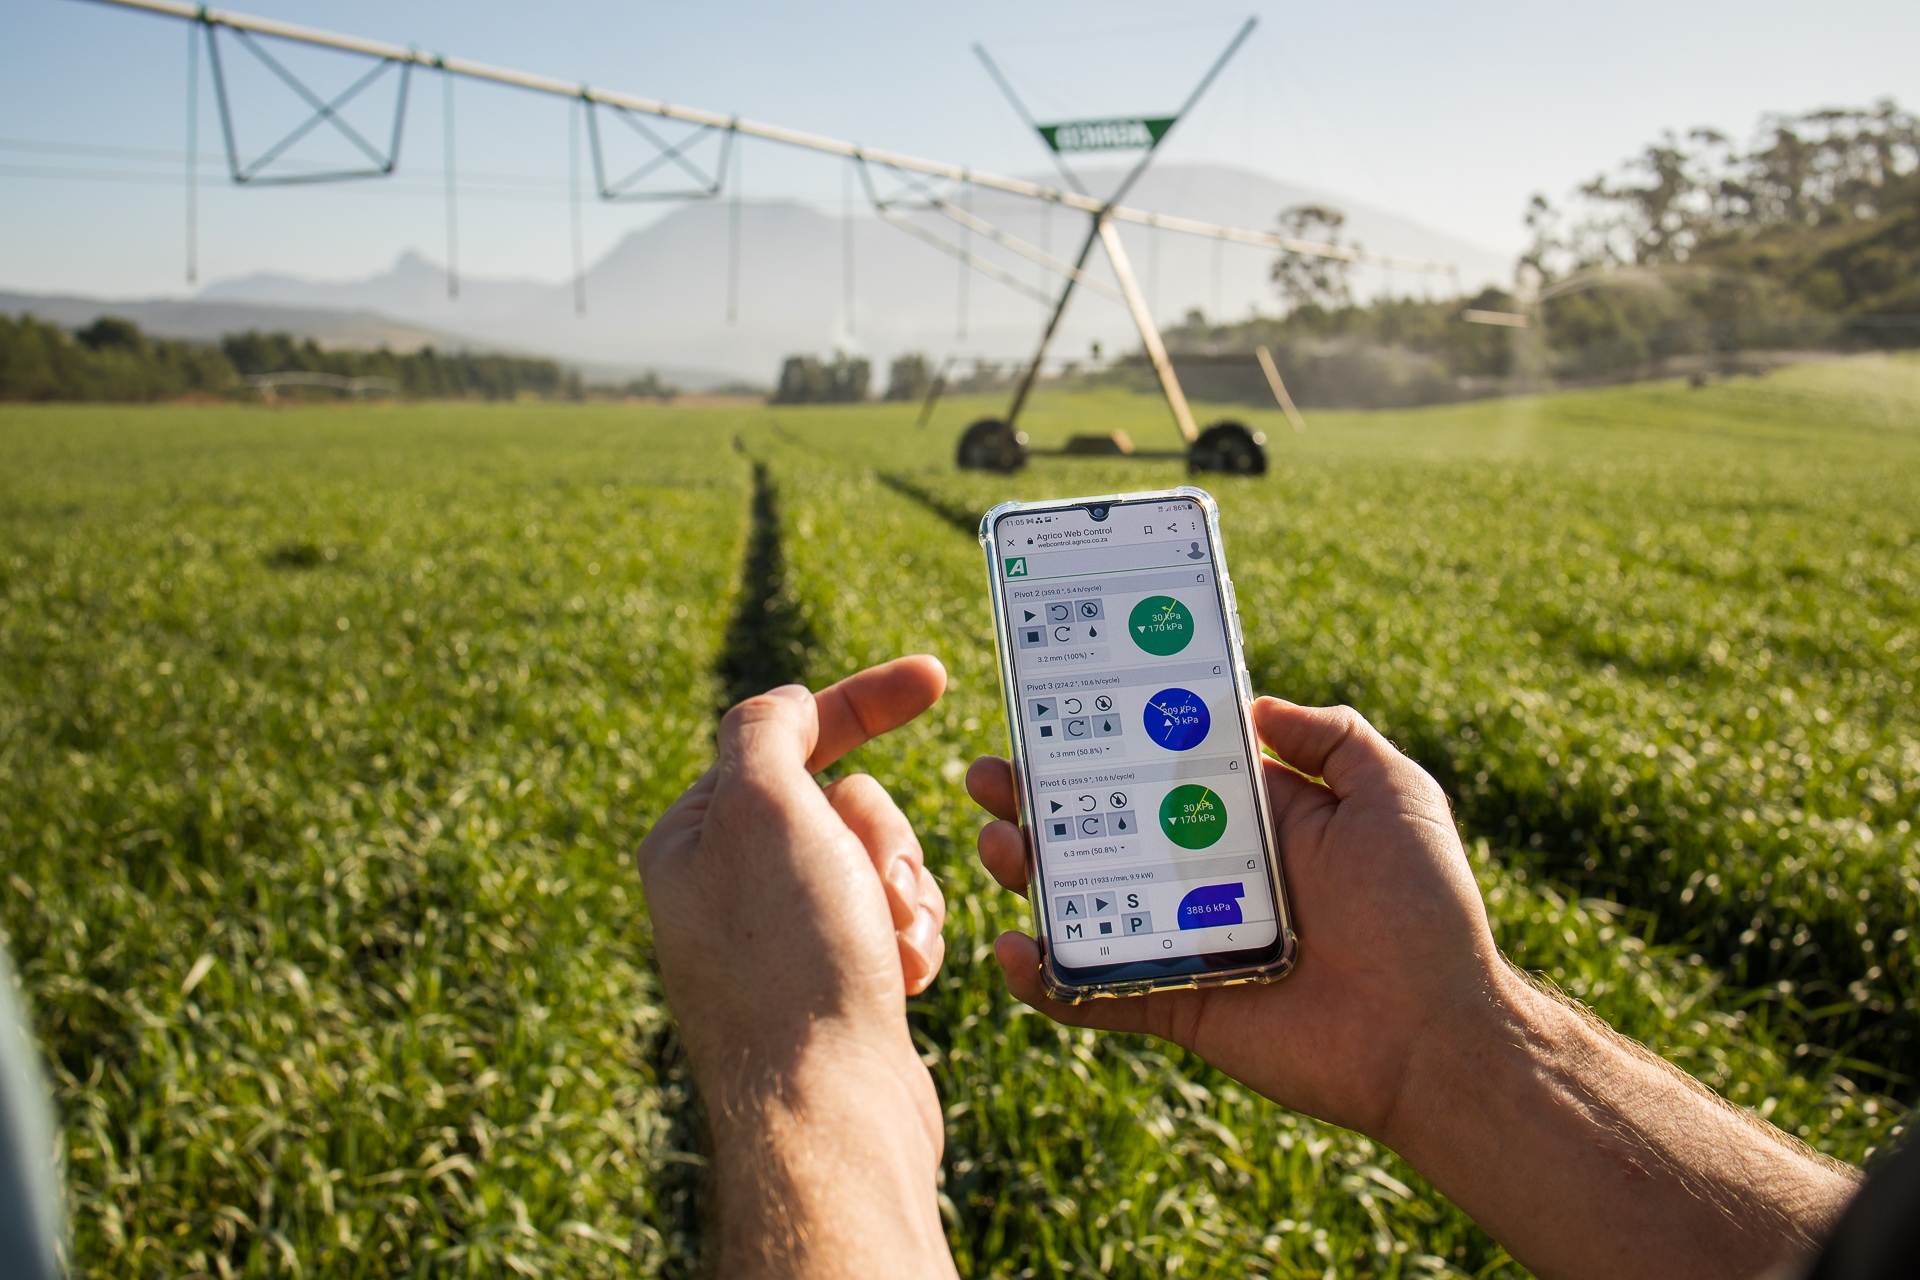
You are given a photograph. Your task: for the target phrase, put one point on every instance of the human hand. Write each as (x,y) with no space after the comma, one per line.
(790,923)
(1582,1153)
(1394,939)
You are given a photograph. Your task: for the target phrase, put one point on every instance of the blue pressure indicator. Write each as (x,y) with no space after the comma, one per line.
(1177,719)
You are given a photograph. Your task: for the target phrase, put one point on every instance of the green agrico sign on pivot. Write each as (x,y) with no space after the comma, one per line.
(1138,133)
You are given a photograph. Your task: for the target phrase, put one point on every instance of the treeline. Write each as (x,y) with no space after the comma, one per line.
(1826,204)
(1388,353)
(1699,256)
(809,380)
(111,359)
(1808,237)
(425,374)
(108,360)
(847,379)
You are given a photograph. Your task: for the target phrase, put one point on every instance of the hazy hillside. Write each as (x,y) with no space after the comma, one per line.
(658,299)
(413,287)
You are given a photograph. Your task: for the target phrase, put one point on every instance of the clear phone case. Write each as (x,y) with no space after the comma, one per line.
(1060,985)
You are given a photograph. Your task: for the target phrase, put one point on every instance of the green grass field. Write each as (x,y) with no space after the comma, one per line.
(325,736)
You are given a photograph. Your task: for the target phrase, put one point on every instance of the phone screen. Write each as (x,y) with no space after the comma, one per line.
(1140,798)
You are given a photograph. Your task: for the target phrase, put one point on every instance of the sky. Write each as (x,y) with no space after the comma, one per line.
(1451,115)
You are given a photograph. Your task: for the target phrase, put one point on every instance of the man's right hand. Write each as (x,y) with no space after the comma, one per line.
(1394,937)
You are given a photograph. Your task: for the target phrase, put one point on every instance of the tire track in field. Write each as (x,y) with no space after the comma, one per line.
(964,519)
(768,639)
(767,644)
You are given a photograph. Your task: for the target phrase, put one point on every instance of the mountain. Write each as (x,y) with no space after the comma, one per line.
(658,299)
(413,287)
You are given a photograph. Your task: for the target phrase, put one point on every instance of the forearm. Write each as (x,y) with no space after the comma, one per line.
(1586,1156)
(816,1176)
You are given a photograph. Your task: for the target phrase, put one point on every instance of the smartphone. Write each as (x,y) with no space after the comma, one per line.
(1151,860)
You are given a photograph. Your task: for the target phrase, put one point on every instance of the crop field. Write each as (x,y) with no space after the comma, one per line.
(325,736)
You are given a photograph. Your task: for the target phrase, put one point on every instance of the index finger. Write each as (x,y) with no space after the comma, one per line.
(872,702)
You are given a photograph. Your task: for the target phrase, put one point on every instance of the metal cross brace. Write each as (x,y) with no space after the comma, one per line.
(1155,129)
(888,211)
(941,202)
(709,185)
(324,112)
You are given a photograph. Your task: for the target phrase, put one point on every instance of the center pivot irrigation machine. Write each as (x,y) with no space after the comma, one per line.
(920,186)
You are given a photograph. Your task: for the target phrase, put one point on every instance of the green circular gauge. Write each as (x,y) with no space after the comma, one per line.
(1193,816)
(1161,625)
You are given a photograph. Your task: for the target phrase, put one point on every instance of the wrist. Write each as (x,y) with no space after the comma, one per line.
(826,1164)
(1583,1153)
(1498,1028)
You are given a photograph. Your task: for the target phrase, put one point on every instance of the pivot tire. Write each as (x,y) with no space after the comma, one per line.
(1228,447)
(991,445)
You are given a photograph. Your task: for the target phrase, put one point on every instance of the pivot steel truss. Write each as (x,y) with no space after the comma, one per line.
(706,185)
(919,195)
(324,112)
(766,132)
(929,185)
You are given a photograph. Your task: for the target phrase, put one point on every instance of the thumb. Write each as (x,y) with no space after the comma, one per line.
(1335,744)
(768,737)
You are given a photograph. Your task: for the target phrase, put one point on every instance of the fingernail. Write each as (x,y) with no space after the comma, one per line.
(900,876)
(923,932)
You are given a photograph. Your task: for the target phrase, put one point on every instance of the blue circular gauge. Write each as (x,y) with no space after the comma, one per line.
(1177,719)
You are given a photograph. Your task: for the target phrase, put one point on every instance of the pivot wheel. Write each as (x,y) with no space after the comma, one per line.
(992,445)
(1231,448)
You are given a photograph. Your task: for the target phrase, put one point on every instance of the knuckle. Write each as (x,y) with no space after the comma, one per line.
(862,786)
(752,710)
(771,707)
(757,799)
(864,801)
(839,791)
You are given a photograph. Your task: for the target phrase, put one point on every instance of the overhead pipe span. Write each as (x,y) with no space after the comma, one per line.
(758,129)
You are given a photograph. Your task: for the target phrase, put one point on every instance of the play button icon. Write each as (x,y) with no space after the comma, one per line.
(1057,806)
(1031,615)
